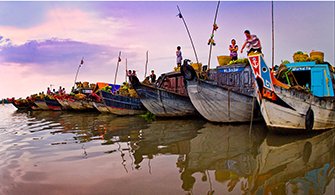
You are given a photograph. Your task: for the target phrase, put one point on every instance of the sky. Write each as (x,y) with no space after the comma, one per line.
(42,43)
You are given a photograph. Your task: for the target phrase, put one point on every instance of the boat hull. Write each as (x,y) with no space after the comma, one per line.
(218,104)
(53,104)
(100,107)
(163,103)
(41,105)
(122,105)
(81,105)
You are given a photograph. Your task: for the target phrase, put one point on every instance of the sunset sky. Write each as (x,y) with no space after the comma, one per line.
(42,43)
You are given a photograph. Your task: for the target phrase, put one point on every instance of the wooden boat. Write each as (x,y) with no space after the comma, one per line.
(227,95)
(291,106)
(167,97)
(22,104)
(98,103)
(122,105)
(53,104)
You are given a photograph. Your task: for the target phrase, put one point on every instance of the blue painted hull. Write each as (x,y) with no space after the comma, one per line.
(122,105)
(53,104)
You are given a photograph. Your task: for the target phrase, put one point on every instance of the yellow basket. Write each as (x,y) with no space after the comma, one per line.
(300,57)
(196,66)
(317,56)
(223,60)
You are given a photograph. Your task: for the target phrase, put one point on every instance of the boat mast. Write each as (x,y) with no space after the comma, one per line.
(75,78)
(189,34)
(273,36)
(146,64)
(211,40)
(117,68)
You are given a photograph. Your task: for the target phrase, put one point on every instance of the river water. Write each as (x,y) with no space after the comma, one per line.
(45,152)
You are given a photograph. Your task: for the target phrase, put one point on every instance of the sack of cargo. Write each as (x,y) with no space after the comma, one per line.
(132,93)
(176,69)
(317,56)
(223,60)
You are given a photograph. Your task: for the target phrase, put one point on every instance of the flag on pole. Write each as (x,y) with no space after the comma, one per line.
(119,60)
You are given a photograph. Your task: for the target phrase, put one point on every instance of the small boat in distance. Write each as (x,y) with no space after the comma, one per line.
(165,98)
(298,96)
(225,94)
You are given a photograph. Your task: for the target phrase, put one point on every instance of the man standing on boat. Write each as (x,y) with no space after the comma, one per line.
(152,77)
(252,42)
(179,56)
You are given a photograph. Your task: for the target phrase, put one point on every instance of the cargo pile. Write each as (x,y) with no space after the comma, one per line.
(316,56)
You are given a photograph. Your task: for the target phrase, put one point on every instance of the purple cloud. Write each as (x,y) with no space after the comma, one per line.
(55,54)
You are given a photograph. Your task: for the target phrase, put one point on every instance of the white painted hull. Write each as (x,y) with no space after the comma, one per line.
(278,116)
(218,104)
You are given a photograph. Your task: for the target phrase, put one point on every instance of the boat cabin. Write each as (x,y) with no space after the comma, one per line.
(318,78)
(237,77)
(172,82)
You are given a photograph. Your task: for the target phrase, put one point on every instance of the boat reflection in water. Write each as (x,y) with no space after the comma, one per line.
(200,157)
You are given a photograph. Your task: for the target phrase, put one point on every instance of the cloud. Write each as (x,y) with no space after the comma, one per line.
(57,55)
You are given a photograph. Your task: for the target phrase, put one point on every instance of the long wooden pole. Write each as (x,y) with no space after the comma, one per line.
(146,64)
(212,36)
(117,68)
(126,70)
(189,34)
(75,78)
(273,36)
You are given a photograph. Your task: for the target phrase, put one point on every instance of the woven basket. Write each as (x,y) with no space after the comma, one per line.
(223,60)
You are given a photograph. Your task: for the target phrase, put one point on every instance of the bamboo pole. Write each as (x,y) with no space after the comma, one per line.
(146,64)
(117,68)
(212,36)
(189,34)
(126,70)
(75,78)
(273,36)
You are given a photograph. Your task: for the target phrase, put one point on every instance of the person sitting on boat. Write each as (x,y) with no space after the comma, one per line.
(179,56)
(133,73)
(152,77)
(233,48)
(48,91)
(60,90)
(252,42)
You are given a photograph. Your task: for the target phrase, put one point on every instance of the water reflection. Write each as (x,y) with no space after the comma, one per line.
(201,157)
